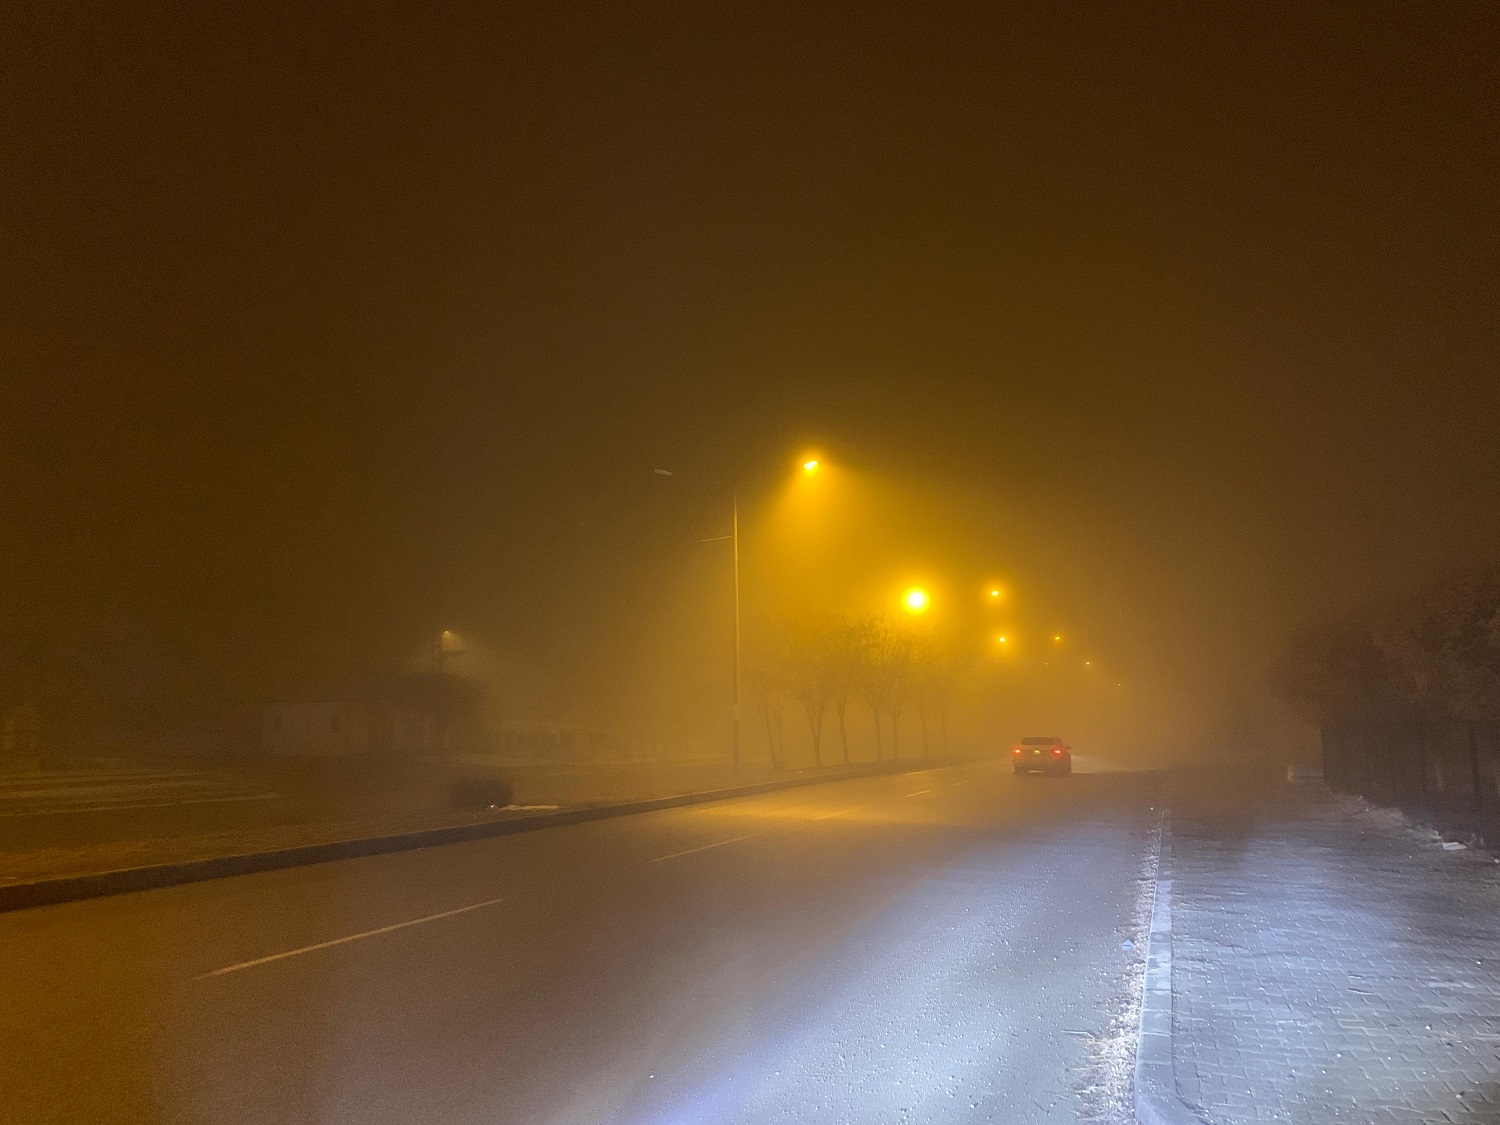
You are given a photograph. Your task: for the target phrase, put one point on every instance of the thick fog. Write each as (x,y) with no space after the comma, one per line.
(317,343)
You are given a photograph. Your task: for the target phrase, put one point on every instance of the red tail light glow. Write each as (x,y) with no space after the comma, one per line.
(1057,751)
(1016,751)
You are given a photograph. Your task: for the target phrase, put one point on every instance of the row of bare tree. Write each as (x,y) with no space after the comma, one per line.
(1434,652)
(823,664)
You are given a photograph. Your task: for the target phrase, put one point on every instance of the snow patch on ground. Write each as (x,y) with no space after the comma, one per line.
(1105,1087)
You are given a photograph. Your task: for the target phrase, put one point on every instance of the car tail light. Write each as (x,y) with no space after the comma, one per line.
(1057,751)
(1016,751)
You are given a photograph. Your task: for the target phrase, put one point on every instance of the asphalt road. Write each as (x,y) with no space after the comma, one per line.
(935,947)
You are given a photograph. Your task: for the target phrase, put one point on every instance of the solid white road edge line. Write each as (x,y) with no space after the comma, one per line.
(346,940)
(919,792)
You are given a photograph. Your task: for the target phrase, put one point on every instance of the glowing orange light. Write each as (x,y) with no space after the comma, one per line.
(809,466)
(916,600)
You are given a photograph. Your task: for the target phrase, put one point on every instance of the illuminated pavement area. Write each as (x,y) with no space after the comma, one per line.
(1330,963)
(936,947)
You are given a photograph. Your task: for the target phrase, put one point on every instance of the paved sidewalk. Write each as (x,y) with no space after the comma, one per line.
(1331,964)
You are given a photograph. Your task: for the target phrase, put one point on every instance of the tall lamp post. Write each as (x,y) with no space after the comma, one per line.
(808,467)
(734,540)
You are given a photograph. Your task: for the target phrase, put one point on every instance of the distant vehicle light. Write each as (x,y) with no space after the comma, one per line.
(1057,751)
(1016,750)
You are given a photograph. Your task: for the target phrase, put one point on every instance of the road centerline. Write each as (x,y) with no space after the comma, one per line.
(345,940)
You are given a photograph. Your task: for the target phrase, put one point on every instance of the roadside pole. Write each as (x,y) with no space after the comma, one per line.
(735,514)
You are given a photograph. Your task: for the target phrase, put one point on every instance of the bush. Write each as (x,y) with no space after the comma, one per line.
(476,794)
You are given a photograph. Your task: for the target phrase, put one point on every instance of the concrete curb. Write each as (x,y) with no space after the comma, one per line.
(70,888)
(1156,1098)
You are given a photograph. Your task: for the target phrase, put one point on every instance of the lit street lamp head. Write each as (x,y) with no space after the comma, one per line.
(916,600)
(810,466)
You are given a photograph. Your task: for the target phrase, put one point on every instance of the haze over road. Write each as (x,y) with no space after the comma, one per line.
(934,947)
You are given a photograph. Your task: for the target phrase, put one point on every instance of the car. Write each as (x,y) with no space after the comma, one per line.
(1046,754)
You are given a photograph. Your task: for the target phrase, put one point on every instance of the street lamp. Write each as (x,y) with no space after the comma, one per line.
(734,539)
(809,467)
(444,648)
(916,600)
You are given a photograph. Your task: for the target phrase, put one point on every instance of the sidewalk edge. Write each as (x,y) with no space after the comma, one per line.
(1156,1098)
(71,888)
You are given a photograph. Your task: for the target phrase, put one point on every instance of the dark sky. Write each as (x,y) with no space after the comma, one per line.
(323,324)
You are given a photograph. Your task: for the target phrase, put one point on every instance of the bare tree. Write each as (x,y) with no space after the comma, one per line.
(897,655)
(828,661)
(922,679)
(938,669)
(812,693)
(768,691)
(883,674)
(820,661)
(806,662)
(1435,651)
(847,641)
(870,682)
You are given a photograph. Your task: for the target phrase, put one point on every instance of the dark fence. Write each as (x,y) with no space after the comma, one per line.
(1445,775)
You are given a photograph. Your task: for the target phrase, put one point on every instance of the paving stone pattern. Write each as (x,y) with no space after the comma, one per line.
(1331,964)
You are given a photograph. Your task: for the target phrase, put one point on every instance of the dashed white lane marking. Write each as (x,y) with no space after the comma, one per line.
(919,792)
(345,940)
(737,839)
(956,784)
(705,847)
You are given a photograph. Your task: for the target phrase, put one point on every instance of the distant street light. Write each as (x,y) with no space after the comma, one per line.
(810,466)
(916,600)
(447,645)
